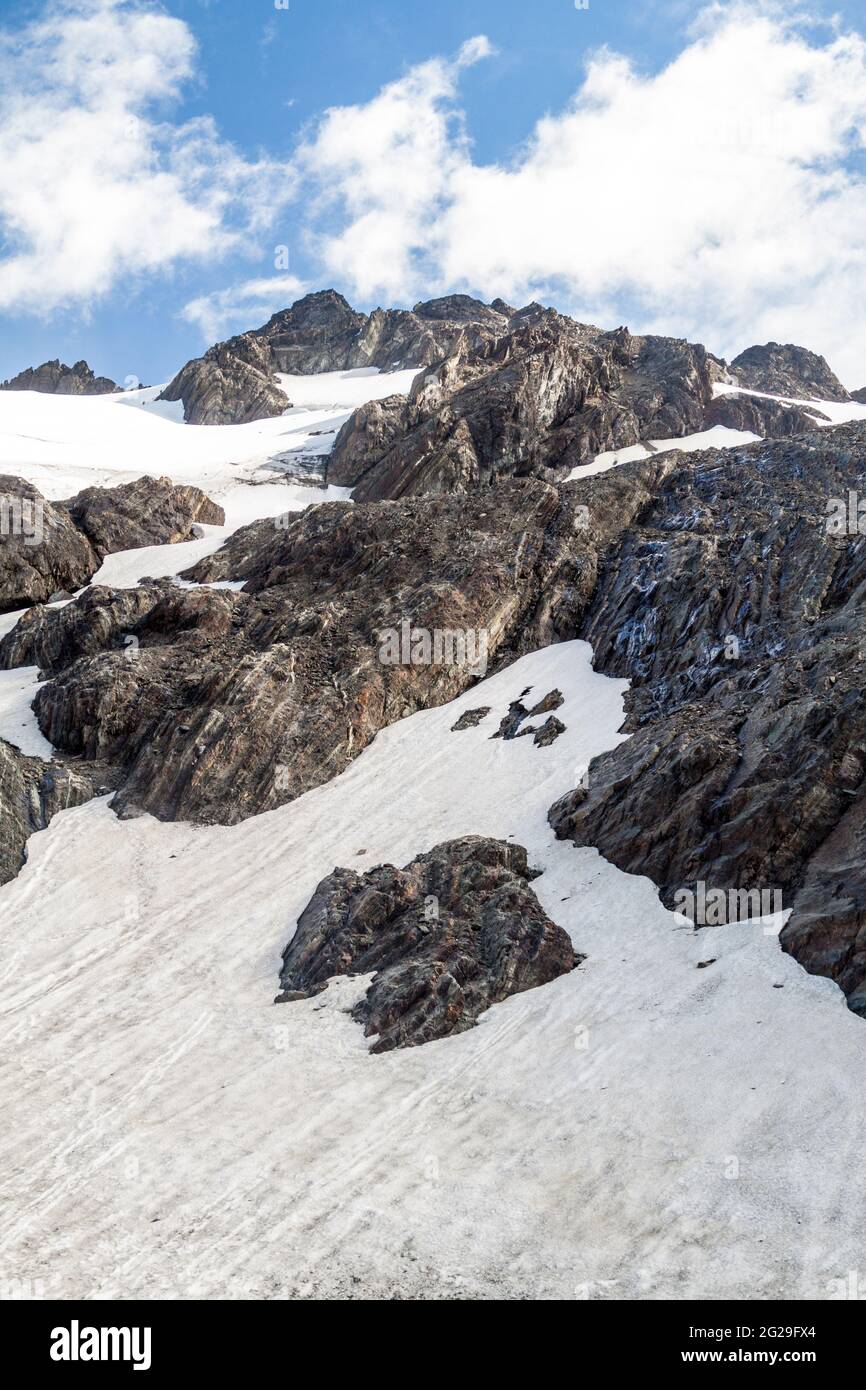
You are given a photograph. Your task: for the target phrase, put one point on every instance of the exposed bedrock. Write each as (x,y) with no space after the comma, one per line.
(50,548)
(782,369)
(558,391)
(543,398)
(454,932)
(215,704)
(236,381)
(56,379)
(150,511)
(31,792)
(737,613)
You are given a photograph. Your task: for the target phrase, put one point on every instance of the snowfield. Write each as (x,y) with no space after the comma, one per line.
(640,1128)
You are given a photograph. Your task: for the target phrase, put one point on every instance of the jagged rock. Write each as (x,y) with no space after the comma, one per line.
(541,398)
(548,733)
(782,369)
(470,720)
(859,395)
(512,723)
(456,931)
(737,616)
(56,379)
(31,792)
(215,704)
(149,511)
(48,549)
(232,384)
(235,381)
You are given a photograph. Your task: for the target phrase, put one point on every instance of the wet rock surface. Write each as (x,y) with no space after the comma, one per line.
(454,932)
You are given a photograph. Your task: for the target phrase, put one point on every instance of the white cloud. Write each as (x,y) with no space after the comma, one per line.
(386,168)
(243,306)
(717,198)
(95,188)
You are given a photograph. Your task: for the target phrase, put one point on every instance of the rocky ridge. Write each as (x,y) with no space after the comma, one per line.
(56,379)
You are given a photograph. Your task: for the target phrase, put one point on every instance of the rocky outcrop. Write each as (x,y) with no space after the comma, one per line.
(454,932)
(235,381)
(782,369)
(49,549)
(765,418)
(31,792)
(541,399)
(56,379)
(214,704)
(149,511)
(42,552)
(736,611)
(232,384)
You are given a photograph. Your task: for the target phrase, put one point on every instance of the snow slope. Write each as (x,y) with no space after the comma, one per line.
(837,412)
(65,443)
(719,437)
(639,1128)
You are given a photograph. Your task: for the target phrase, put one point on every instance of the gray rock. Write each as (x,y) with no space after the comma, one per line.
(738,619)
(56,379)
(782,369)
(48,549)
(456,931)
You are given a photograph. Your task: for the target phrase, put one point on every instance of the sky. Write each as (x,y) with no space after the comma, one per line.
(173,173)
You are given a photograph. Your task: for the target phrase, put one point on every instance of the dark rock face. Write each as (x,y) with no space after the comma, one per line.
(232,384)
(470,720)
(56,379)
(150,511)
(767,419)
(41,549)
(213,704)
(539,399)
(457,930)
(737,615)
(31,792)
(859,395)
(50,548)
(781,369)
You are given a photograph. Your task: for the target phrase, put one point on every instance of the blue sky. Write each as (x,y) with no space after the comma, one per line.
(706,181)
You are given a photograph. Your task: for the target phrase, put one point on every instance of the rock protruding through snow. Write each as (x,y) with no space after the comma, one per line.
(455,931)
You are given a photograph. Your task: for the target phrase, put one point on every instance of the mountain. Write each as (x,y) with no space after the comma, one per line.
(362,843)
(56,379)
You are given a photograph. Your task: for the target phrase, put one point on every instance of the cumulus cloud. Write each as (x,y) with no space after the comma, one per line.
(722,197)
(96,186)
(385,170)
(241,306)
